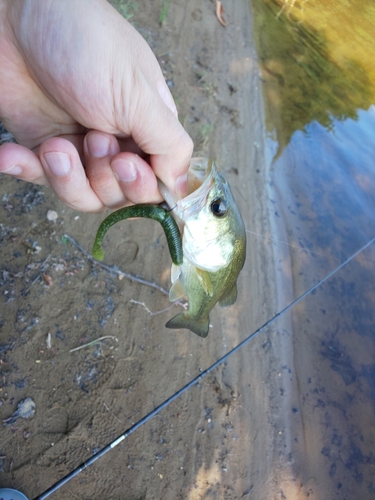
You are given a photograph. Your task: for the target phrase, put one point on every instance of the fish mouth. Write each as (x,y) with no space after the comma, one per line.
(199,170)
(202,177)
(196,199)
(200,180)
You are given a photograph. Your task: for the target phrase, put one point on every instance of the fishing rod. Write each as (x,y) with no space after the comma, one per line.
(20,496)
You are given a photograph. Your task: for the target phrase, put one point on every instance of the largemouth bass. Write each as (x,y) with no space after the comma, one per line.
(210,255)
(214,246)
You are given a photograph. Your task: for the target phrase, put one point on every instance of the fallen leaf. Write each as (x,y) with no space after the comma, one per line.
(47,278)
(219,13)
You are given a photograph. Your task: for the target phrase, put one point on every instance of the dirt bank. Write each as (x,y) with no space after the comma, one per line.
(53,299)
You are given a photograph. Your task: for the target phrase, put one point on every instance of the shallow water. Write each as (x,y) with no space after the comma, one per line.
(317,73)
(319,91)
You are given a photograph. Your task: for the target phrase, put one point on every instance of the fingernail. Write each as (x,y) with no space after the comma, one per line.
(14,170)
(98,145)
(58,163)
(181,185)
(125,170)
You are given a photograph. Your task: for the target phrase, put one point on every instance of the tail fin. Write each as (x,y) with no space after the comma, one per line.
(183,320)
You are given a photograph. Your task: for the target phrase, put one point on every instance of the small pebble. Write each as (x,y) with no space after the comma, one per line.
(52,216)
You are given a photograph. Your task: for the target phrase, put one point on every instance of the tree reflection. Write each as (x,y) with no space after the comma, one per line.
(313,62)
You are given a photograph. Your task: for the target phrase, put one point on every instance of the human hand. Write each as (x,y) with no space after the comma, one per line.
(85,98)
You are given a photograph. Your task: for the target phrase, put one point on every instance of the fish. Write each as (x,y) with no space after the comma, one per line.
(213,246)
(207,242)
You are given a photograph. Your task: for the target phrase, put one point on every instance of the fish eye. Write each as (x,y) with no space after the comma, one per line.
(219,207)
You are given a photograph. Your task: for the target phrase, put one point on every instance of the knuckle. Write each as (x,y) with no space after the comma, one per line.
(101,182)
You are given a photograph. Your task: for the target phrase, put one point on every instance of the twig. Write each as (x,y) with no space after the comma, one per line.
(106,407)
(286,3)
(93,342)
(114,269)
(40,273)
(183,304)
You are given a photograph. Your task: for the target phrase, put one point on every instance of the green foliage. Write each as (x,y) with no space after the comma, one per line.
(164,12)
(205,132)
(302,80)
(126,8)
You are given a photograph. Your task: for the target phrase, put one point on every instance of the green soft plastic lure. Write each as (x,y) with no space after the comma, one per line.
(154,212)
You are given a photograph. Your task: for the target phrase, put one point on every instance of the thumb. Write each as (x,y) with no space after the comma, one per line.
(157,131)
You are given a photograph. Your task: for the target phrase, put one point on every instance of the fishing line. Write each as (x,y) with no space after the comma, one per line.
(275,240)
(194,381)
(298,248)
(272,239)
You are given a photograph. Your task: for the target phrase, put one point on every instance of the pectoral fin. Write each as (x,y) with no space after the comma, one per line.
(176,292)
(229,298)
(175,272)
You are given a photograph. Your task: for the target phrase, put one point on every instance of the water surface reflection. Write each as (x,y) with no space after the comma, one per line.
(319,87)
(316,61)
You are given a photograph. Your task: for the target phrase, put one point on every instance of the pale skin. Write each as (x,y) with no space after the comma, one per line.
(85,97)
